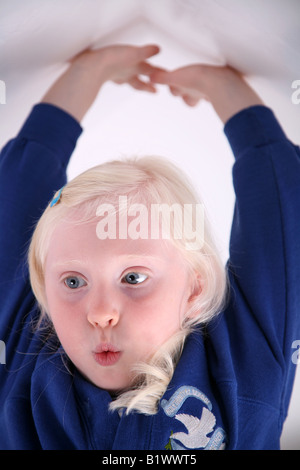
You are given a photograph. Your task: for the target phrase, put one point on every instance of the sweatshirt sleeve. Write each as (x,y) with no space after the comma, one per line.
(32,167)
(264,265)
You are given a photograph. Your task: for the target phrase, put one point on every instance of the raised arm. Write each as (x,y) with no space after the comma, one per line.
(263,317)
(33,165)
(77,88)
(224,87)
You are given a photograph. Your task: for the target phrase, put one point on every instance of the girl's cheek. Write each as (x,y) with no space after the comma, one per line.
(144,292)
(63,306)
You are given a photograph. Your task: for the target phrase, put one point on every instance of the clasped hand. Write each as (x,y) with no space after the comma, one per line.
(128,64)
(77,88)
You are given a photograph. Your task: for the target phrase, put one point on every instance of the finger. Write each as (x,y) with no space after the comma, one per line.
(144,68)
(162,76)
(190,101)
(138,84)
(175,91)
(145,52)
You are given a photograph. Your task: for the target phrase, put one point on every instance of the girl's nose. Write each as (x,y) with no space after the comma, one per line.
(103,313)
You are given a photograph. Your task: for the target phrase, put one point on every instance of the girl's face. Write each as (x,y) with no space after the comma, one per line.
(113,302)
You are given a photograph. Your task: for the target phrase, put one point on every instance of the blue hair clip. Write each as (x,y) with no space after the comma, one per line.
(56,198)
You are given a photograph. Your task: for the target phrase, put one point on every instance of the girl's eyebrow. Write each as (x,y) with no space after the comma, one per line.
(68,261)
(141,255)
(129,256)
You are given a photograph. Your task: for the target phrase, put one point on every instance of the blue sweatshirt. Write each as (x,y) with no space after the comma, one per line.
(232,386)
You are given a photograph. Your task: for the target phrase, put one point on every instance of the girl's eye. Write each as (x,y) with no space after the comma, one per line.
(134,278)
(74,282)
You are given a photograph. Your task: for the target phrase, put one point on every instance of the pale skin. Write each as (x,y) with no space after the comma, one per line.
(91,299)
(77,88)
(224,87)
(123,296)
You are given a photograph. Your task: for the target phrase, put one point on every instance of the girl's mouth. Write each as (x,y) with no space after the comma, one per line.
(106,354)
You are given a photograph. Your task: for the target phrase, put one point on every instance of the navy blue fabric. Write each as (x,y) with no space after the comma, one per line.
(232,385)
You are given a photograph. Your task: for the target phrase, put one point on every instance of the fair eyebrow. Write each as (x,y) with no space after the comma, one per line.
(141,255)
(127,257)
(68,261)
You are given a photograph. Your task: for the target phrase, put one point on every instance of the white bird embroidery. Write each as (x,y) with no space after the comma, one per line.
(196,438)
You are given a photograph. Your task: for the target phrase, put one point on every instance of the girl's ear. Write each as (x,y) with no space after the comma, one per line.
(195,292)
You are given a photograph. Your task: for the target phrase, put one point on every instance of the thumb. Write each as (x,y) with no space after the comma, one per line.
(161,76)
(145,52)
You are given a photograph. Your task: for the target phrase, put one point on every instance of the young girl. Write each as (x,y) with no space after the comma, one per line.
(137,342)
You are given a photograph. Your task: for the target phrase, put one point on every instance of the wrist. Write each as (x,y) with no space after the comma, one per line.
(74,91)
(229,93)
(90,67)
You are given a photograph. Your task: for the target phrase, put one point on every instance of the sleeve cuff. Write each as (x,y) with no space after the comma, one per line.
(51,126)
(252,127)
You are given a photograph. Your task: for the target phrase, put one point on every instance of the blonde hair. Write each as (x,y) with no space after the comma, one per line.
(148,180)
